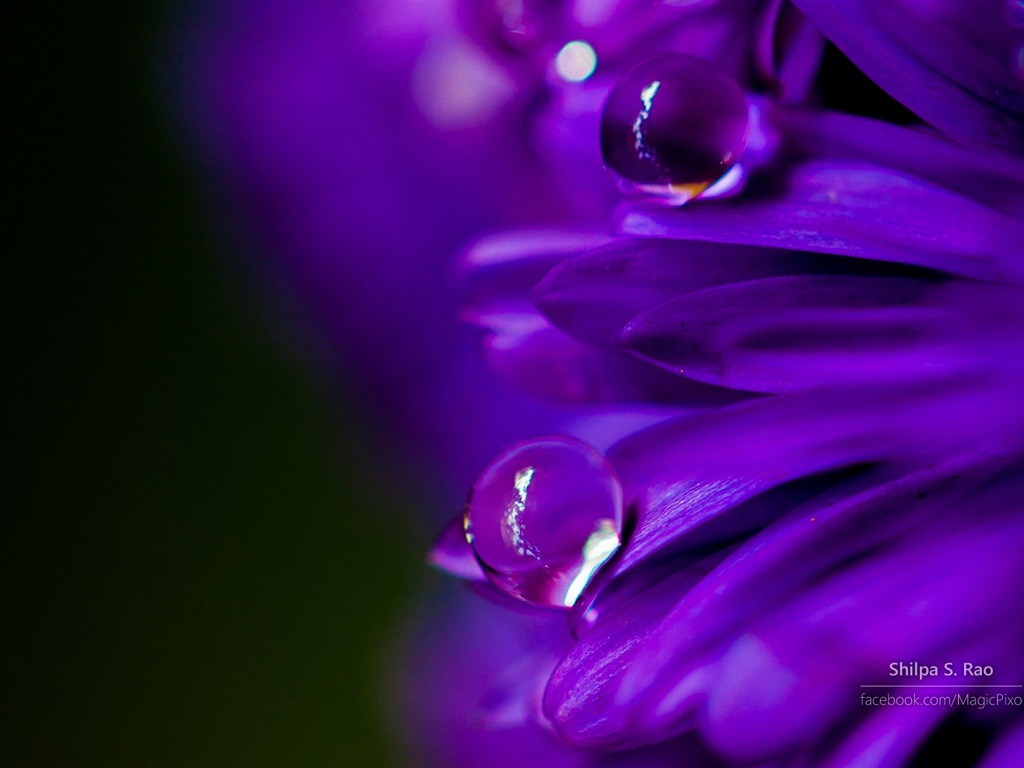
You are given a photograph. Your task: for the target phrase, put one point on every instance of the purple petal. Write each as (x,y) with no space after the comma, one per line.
(951,63)
(529,245)
(697,514)
(773,567)
(671,510)
(616,585)
(580,699)
(799,672)
(817,536)
(789,333)
(807,663)
(478,672)
(783,29)
(452,553)
(530,353)
(656,688)
(501,269)
(990,177)
(592,297)
(795,435)
(853,210)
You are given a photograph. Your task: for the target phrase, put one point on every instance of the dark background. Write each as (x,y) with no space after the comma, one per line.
(199,564)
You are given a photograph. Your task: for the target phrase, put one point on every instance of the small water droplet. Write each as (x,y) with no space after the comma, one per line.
(672,127)
(543,517)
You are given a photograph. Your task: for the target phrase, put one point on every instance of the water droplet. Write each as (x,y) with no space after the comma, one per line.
(672,127)
(543,517)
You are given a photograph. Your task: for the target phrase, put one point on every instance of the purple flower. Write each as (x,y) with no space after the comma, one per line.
(786,529)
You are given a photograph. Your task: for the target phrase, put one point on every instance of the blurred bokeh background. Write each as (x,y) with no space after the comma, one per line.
(202,564)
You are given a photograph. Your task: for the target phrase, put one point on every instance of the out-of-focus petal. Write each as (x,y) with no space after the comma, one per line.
(480,670)
(522,346)
(526,350)
(951,62)
(719,31)
(686,751)
(504,267)
(787,49)
(452,553)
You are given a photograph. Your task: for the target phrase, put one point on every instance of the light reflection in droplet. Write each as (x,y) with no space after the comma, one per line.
(513,527)
(726,185)
(601,545)
(576,61)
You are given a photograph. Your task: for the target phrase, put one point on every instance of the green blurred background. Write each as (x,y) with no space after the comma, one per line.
(201,565)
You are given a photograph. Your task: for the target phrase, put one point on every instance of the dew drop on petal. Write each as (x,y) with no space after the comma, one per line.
(672,127)
(543,517)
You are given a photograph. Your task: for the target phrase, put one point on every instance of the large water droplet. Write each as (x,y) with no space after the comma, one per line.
(672,127)
(543,517)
